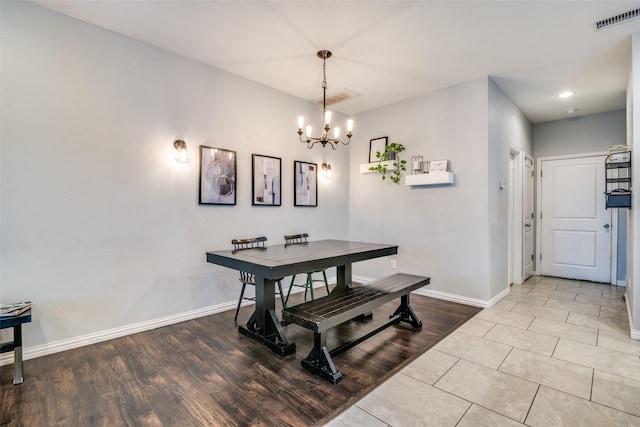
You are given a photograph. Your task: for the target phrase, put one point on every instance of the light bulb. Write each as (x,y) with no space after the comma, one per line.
(327,117)
(182,155)
(336,132)
(349,125)
(300,122)
(309,131)
(566,94)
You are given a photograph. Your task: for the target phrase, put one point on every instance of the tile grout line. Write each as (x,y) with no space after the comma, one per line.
(531,405)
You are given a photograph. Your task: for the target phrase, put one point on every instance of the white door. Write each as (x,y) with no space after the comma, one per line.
(575,226)
(527,211)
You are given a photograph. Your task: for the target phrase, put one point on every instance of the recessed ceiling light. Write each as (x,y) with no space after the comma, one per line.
(572,111)
(566,94)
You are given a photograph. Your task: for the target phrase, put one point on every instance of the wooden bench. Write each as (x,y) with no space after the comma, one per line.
(325,313)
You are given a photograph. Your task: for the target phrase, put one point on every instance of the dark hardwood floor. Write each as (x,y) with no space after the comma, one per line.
(204,373)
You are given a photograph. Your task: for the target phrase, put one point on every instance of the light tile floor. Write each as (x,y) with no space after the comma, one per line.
(553,352)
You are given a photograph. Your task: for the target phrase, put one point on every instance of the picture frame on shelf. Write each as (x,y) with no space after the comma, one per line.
(438,166)
(375,145)
(305,183)
(266,184)
(218,168)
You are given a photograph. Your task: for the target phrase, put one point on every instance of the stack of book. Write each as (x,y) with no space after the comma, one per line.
(16,309)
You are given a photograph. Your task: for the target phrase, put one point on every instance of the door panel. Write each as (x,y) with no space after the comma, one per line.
(574,248)
(575,233)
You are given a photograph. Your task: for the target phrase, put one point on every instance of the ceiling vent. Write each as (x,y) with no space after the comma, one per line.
(618,19)
(341,96)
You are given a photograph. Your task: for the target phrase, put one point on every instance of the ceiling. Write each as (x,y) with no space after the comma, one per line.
(388,51)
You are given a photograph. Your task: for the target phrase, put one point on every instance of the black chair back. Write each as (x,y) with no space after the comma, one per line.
(296,239)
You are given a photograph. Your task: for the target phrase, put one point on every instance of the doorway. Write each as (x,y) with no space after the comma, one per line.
(575,229)
(515,224)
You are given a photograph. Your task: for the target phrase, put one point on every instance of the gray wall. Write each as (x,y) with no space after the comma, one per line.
(584,134)
(507,126)
(100,226)
(453,234)
(587,134)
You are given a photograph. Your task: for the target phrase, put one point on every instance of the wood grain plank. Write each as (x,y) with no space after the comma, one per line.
(203,372)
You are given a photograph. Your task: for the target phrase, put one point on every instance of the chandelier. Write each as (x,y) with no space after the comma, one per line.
(326,116)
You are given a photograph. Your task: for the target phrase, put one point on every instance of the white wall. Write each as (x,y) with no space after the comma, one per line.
(451,233)
(633,132)
(100,226)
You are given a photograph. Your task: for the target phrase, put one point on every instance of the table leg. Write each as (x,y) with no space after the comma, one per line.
(17,354)
(264,325)
(343,278)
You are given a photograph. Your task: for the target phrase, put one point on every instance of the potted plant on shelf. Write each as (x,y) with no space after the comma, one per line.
(391,152)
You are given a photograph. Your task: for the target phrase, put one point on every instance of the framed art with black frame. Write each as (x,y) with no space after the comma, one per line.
(305,183)
(266,185)
(217,176)
(375,145)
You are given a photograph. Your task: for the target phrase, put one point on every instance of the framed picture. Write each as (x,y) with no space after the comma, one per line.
(375,145)
(266,185)
(305,187)
(217,176)
(438,165)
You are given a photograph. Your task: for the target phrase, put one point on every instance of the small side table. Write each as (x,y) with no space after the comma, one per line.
(15,345)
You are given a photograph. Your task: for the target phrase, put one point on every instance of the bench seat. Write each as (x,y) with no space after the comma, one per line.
(325,313)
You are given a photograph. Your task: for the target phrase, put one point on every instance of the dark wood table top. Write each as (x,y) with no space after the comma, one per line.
(278,261)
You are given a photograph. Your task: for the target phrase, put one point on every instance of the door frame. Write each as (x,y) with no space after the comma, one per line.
(534,222)
(613,279)
(516,240)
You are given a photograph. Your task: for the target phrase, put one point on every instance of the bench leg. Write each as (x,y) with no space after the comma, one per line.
(319,360)
(406,313)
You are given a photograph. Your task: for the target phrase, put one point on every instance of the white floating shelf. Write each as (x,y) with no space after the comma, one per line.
(364,167)
(433,178)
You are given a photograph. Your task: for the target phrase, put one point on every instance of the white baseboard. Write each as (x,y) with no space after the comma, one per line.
(81,341)
(446,296)
(634,334)
(362,279)
(474,302)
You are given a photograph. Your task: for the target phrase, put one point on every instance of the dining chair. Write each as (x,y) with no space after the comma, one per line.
(301,239)
(248,278)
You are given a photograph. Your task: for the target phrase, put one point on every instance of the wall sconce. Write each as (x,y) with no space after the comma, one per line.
(182,155)
(326,170)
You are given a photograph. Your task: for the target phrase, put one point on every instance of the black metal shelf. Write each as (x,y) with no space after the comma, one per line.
(618,196)
(618,165)
(609,180)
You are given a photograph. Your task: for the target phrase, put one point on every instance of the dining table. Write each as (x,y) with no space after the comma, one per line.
(275,262)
